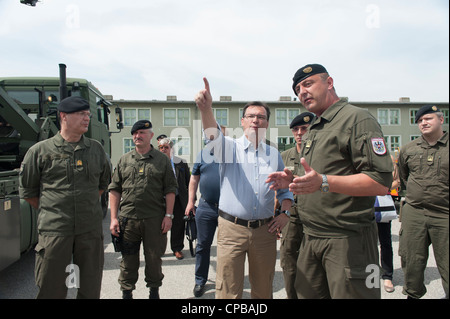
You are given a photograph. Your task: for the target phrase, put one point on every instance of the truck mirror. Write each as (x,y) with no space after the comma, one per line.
(119,118)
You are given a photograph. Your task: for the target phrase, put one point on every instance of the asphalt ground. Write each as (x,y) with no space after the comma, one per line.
(17,281)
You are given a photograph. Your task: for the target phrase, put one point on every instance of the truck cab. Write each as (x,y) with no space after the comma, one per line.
(28,114)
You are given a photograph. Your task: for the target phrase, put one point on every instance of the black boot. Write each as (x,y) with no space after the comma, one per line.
(127,294)
(154,293)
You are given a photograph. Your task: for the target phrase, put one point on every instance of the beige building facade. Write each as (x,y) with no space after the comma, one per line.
(180,120)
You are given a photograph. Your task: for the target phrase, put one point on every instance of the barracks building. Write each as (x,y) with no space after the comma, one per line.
(181,121)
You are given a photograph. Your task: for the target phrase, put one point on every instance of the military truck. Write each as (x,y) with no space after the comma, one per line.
(28,114)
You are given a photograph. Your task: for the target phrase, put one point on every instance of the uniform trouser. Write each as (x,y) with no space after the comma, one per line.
(339,268)
(206,220)
(234,243)
(290,245)
(417,232)
(154,241)
(64,262)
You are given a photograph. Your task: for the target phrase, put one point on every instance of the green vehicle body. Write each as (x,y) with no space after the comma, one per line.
(28,115)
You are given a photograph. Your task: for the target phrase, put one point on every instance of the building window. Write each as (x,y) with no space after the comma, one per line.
(221,116)
(143,114)
(285,116)
(412,116)
(128,145)
(413,137)
(393,142)
(446,115)
(131,116)
(176,117)
(285,142)
(389,116)
(181,146)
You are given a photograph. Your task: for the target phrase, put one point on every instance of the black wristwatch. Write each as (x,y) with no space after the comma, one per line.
(286,212)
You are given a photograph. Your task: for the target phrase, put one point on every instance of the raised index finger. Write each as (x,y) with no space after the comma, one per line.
(206,85)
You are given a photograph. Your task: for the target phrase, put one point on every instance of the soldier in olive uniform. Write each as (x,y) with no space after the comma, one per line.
(293,232)
(423,166)
(64,176)
(345,164)
(144,187)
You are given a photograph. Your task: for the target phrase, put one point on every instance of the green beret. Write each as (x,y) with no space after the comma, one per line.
(73,104)
(426,109)
(306,72)
(141,125)
(302,119)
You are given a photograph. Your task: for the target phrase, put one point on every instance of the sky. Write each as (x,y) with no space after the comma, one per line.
(375,50)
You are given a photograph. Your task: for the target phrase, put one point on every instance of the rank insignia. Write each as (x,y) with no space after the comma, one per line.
(79,163)
(378,145)
(308,143)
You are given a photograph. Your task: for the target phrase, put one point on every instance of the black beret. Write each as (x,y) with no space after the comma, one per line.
(302,119)
(141,125)
(306,72)
(73,104)
(426,109)
(161,136)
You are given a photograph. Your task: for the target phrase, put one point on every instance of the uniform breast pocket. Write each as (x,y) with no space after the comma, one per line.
(153,174)
(415,162)
(442,169)
(93,169)
(56,172)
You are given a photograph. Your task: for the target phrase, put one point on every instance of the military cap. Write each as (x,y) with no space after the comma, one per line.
(161,136)
(302,119)
(73,104)
(426,109)
(141,125)
(306,72)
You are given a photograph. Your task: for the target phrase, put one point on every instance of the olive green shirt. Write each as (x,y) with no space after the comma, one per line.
(291,160)
(345,140)
(67,179)
(143,181)
(423,172)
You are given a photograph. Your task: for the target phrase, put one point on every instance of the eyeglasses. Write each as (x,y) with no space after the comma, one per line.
(164,147)
(299,128)
(83,114)
(252,117)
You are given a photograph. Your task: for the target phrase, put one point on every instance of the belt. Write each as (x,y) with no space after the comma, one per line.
(243,222)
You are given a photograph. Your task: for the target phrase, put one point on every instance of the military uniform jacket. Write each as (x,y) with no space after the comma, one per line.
(345,140)
(423,172)
(67,180)
(143,181)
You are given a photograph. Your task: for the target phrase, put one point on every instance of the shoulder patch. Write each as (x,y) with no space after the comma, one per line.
(378,145)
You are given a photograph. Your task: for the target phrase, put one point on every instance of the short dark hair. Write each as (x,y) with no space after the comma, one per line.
(257,103)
